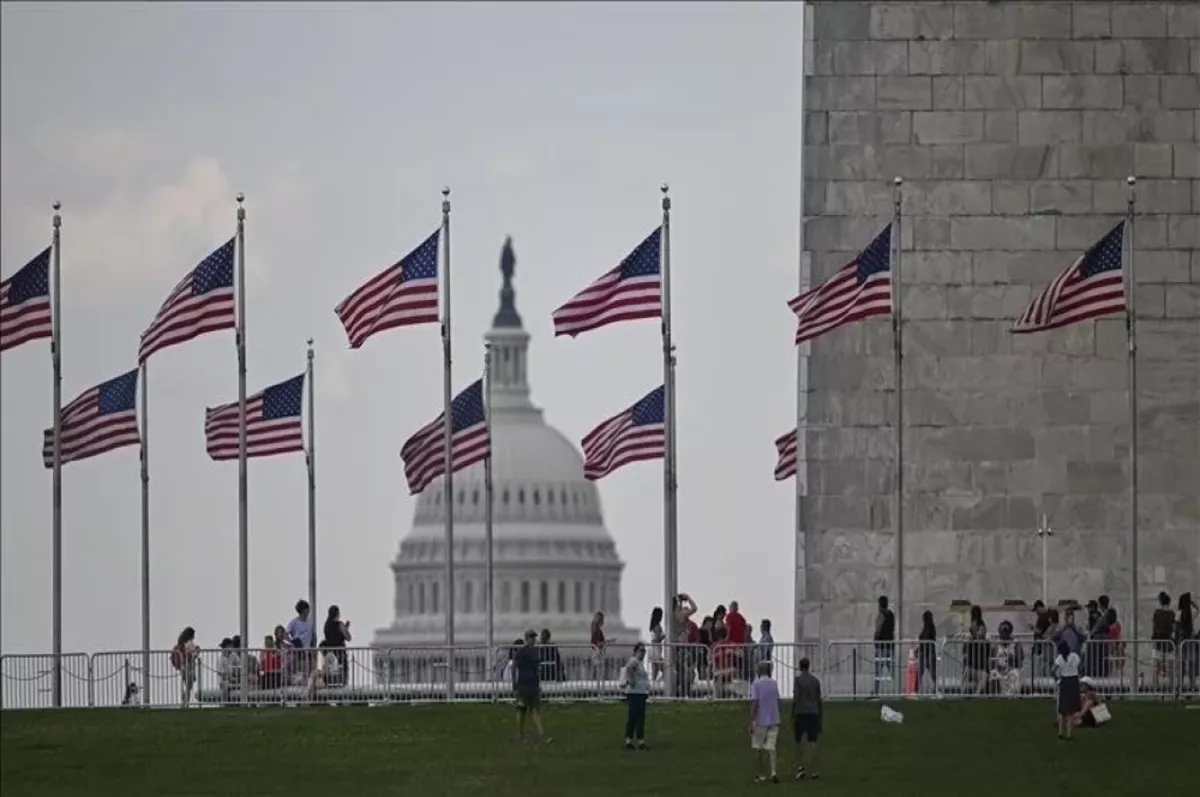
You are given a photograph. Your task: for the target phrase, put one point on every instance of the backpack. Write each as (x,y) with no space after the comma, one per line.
(177,657)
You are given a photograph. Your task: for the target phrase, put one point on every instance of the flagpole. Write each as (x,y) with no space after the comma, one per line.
(447,434)
(310,460)
(1131,331)
(897,337)
(243,513)
(670,542)
(145,452)
(487,497)
(56,361)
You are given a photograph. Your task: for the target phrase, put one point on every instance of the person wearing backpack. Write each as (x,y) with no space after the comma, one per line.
(183,659)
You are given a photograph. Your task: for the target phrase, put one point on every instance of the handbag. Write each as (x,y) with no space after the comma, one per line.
(1101,714)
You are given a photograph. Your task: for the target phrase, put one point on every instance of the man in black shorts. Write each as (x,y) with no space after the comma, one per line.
(806,720)
(527,684)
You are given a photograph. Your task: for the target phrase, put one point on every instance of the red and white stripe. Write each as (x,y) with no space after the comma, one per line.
(264,438)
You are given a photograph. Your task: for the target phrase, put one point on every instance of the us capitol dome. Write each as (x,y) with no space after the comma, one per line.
(555,564)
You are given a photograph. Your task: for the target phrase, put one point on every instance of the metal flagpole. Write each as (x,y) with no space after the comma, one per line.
(670,542)
(310,460)
(448,431)
(799,582)
(898,327)
(243,513)
(487,497)
(56,361)
(145,452)
(1131,331)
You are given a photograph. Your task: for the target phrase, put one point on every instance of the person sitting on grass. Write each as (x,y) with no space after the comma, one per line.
(764,723)
(1094,711)
(528,686)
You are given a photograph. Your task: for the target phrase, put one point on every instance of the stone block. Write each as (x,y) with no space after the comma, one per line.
(1142,92)
(839,93)
(1010,197)
(1012,21)
(1162,266)
(870,58)
(904,93)
(1007,161)
(1183,232)
(1183,301)
(814,198)
(816,127)
(1152,160)
(875,128)
(1003,57)
(979,513)
(1139,21)
(947,127)
(1151,301)
(1186,161)
(1153,196)
(1181,91)
(1002,92)
(1035,268)
(1109,407)
(1000,126)
(1142,57)
(979,302)
(1094,161)
(1080,232)
(821,60)
(947,57)
(947,92)
(948,198)
(1049,127)
(840,233)
(927,232)
(921,302)
(1061,197)
(999,232)
(1196,266)
(934,338)
(1119,127)
(1183,20)
(917,20)
(1082,91)
(1091,20)
(946,162)
(840,21)
(857,199)
(1057,58)
(1096,478)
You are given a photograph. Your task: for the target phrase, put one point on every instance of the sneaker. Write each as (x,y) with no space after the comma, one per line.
(815,776)
(760,779)
(629,745)
(800,773)
(774,778)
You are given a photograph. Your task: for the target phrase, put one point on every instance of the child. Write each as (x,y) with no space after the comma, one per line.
(1066,668)
(764,721)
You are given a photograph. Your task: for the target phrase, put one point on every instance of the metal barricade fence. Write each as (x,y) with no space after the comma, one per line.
(848,669)
(28,680)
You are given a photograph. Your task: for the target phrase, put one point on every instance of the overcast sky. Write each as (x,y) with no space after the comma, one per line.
(554,123)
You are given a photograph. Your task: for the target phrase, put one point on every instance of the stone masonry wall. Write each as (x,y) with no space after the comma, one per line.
(1014,126)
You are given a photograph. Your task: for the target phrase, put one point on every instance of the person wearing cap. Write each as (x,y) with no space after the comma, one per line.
(527,684)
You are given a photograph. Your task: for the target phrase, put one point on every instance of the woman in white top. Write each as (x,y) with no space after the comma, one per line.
(657,637)
(1066,668)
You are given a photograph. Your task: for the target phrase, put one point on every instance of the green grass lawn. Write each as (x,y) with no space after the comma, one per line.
(955,749)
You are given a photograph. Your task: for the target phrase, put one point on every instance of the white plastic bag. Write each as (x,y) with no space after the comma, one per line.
(889,714)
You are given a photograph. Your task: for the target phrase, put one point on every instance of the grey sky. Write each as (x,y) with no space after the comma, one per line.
(554,123)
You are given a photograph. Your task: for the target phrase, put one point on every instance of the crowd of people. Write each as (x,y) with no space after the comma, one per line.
(290,656)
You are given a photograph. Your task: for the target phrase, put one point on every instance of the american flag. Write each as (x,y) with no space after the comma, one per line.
(403,295)
(1093,286)
(25,312)
(101,419)
(785,446)
(272,423)
(203,301)
(633,435)
(860,289)
(630,291)
(424,452)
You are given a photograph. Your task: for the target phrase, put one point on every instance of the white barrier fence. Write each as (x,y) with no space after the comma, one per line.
(851,669)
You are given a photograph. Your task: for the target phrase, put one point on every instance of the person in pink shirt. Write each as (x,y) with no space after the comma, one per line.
(737,633)
(764,723)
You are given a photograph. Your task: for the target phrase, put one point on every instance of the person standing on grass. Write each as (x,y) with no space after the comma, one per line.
(528,685)
(764,723)
(1066,667)
(637,691)
(806,720)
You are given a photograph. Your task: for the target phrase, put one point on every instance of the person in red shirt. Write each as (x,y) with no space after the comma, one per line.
(271,665)
(738,634)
